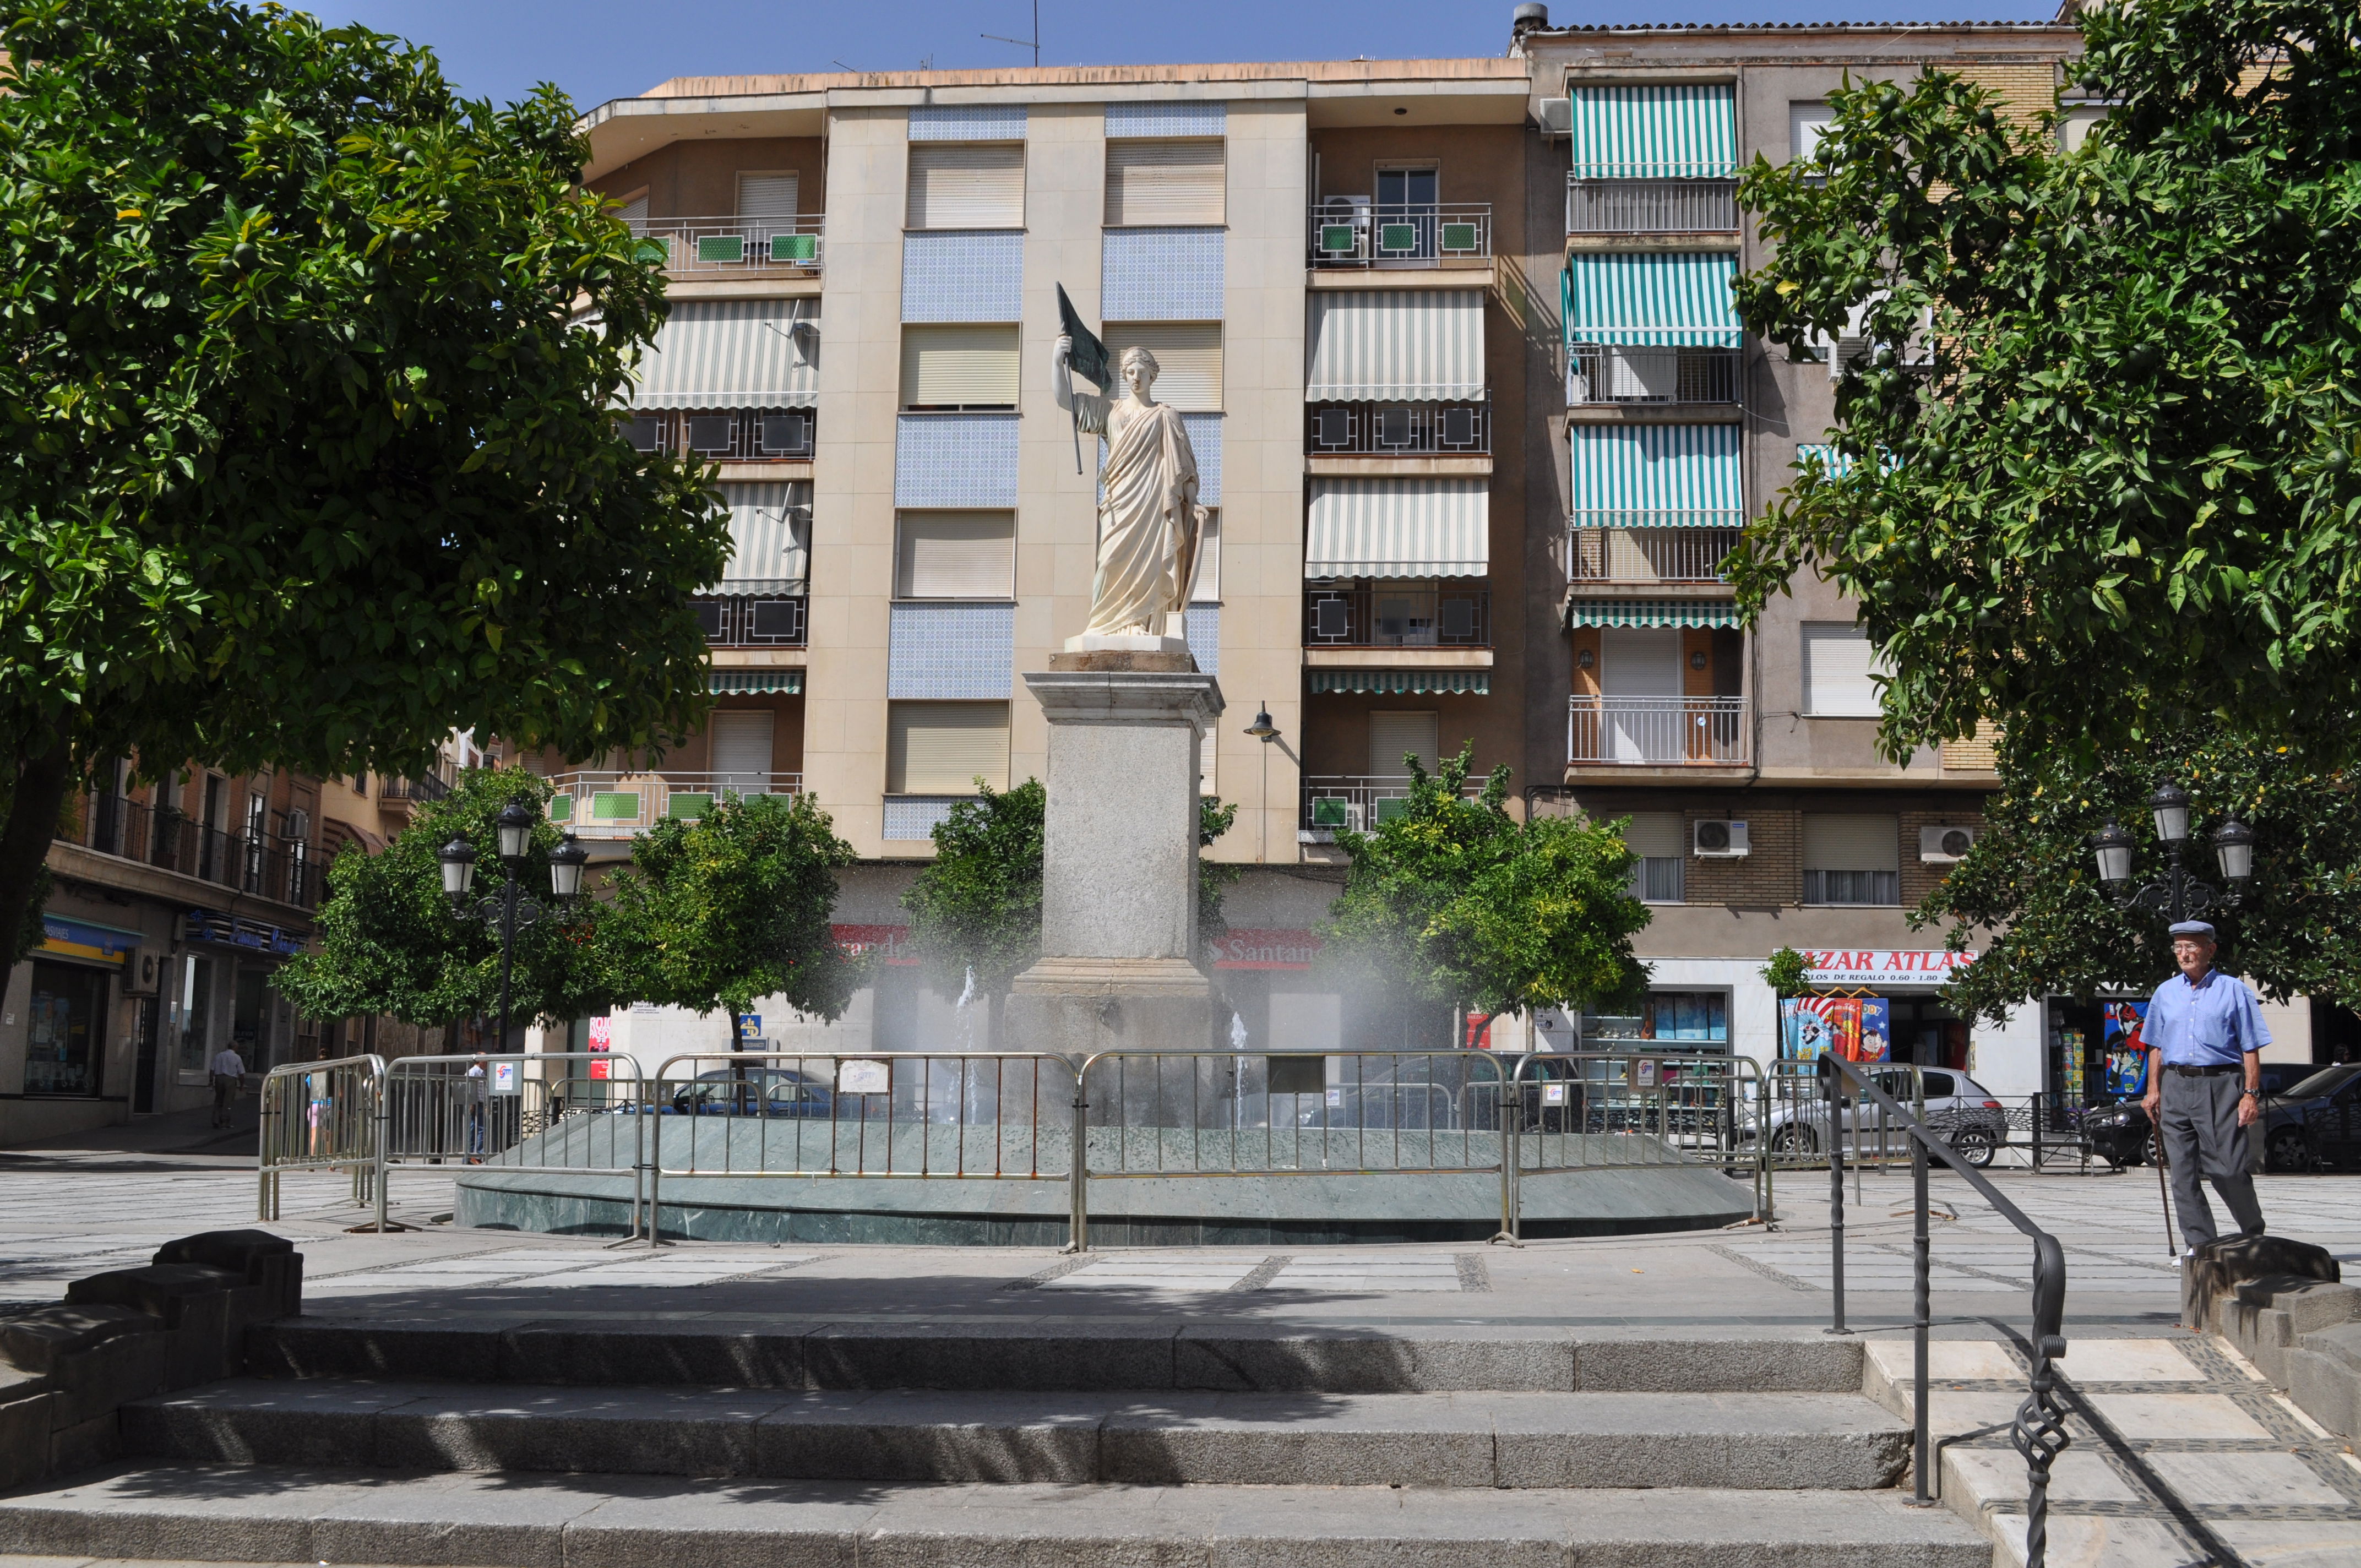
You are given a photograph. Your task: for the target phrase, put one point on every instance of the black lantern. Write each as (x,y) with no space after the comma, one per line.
(2233,843)
(2171,807)
(2177,895)
(515,824)
(459,858)
(565,863)
(2115,851)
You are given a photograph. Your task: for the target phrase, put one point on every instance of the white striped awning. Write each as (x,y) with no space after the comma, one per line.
(770,535)
(1680,297)
(742,354)
(1650,612)
(755,683)
(1657,475)
(1399,683)
(1395,346)
(1398,528)
(1680,131)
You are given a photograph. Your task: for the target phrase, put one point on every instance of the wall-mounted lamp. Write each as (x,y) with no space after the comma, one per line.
(1585,659)
(1697,658)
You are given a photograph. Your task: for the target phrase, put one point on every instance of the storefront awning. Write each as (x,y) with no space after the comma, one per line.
(1398,528)
(784,683)
(769,531)
(1395,346)
(1650,612)
(1679,131)
(1680,299)
(1397,683)
(1657,475)
(70,938)
(733,354)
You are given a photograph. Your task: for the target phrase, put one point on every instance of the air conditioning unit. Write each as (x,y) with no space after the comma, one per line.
(1557,116)
(1946,844)
(142,973)
(1713,838)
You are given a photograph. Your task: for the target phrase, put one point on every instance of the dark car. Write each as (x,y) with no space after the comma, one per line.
(2315,1122)
(2119,1133)
(749,1092)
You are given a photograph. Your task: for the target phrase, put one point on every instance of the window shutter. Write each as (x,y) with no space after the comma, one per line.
(1391,735)
(967,185)
(956,555)
(1850,843)
(939,748)
(1655,834)
(766,196)
(741,748)
(1837,663)
(1806,124)
(959,367)
(1188,359)
(1174,182)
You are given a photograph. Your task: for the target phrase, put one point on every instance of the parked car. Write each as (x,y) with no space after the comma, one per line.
(2315,1122)
(749,1092)
(2119,1133)
(1971,1120)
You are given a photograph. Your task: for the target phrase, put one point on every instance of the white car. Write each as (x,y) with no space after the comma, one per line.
(1970,1116)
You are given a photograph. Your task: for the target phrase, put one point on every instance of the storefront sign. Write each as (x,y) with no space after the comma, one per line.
(66,939)
(1245,947)
(887,944)
(504,1079)
(1875,966)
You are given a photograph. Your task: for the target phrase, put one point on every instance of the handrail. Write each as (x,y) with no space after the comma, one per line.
(2039,1433)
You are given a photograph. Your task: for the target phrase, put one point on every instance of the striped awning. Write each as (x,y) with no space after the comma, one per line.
(1686,131)
(1680,297)
(1650,612)
(1403,682)
(1657,475)
(769,533)
(787,683)
(1395,346)
(1834,462)
(1398,528)
(722,354)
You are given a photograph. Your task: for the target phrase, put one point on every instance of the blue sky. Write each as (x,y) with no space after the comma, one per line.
(597,49)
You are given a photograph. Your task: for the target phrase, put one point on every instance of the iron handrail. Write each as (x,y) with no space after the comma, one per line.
(2039,1431)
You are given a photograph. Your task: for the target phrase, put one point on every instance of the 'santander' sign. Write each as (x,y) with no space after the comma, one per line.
(1875,966)
(1244,947)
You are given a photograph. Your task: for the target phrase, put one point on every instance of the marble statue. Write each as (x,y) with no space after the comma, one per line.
(1149,521)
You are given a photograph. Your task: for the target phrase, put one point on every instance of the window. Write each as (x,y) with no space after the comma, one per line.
(1851,858)
(767,195)
(1806,124)
(1394,735)
(1188,358)
(959,367)
(64,1031)
(195,1006)
(633,210)
(1839,665)
(741,756)
(941,748)
(1170,182)
(1655,837)
(955,555)
(1697,1018)
(966,185)
(1207,588)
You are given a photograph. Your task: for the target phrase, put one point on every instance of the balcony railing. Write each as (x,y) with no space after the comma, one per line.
(1387,614)
(1648,555)
(1397,430)
(427,788)
(272,866)
(1649,206)
(727,435)
(1636,373)
(618,803)
(694,247)
(1356,801)
(1351,231)
(746,621)
(1657,731)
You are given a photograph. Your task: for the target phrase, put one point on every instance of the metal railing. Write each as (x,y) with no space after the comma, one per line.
(1358,801)
(1350,231)
(318,1115)
(726,435)
(1397,430)
(1648,555)
(751,621)
(541,1111)
(1649,206)
(1657,731)
(425,787)
(1390,615)
(1650,373)
(701,246)
(1607,1109)
(618,805)
(284,870)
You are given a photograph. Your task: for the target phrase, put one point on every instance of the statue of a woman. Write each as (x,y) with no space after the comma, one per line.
(1149,522)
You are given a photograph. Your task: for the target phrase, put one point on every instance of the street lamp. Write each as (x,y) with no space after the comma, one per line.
(1264,730)
(511,909)
(2180,895)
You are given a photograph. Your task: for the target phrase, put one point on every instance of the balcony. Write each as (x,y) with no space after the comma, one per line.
(1397,430)
(618,803)
(745,620)
(1648,555)
(1629,373)
(1657,731)
(1352,231)
(271,866)
(1394,615)
(412,790)
(1615,207)
(1357,802)
(726,248)
(726,435)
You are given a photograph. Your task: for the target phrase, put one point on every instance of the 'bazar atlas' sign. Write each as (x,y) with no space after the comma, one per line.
(1875,966)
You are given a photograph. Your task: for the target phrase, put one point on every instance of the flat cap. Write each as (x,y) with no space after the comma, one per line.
(2193,928)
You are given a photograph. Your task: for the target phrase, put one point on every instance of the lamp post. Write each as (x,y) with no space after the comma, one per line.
(2180,895)
(511,909)
(1264,730)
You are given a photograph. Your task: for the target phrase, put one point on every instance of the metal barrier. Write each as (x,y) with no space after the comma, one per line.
(1621,1110)
(319,1115)
(530,1110)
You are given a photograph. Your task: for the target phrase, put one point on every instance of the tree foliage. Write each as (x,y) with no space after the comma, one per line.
(2096,469)
(1465,904)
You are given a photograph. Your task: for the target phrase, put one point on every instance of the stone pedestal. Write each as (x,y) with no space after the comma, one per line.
(1119,870)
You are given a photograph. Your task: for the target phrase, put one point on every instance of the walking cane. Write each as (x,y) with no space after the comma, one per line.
(2163,1197)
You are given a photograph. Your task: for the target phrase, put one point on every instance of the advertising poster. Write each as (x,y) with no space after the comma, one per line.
(602,1039)
(1858,1028)
(2126,1052)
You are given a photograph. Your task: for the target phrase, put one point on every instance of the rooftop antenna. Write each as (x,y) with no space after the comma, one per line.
(1033,43)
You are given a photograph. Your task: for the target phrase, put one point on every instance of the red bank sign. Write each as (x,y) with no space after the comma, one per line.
(887,944)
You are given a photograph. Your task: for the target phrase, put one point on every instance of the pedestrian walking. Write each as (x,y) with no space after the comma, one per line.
(480,1105)
(2204,1030)
(228,1069)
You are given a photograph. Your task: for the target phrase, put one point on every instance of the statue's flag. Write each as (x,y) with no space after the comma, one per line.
(1088,358)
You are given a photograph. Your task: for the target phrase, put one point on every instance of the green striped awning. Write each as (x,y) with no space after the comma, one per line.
(1834,462)
(1679,297)
(1404,683)
(1675,132)
(787,683)
(1398,528)
(1657,475)
(724,354)
(1396,345)
(770,534)
(1650,612)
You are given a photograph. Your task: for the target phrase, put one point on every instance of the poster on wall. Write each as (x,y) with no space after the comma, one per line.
(1858,1028)
(2126,1052)
(602,1040)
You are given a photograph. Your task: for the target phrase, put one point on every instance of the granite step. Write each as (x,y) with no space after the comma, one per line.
(1523,1441)
(277,1514)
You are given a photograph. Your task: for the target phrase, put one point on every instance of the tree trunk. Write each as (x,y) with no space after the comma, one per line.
(33,806)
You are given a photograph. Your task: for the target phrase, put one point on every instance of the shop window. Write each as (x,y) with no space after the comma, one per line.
(66,1036)
(195,1007)
(1695,1020)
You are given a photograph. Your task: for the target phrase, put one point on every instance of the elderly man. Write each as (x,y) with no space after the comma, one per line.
(2203,1032)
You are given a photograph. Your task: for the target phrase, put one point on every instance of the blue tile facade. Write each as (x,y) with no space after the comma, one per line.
(967,122)
(917,816)
(1205,637)
(952,650)
(1167,119)
(1160,275)
(955,460)
(963,275)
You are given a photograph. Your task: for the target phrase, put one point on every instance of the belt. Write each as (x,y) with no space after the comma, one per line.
(2187,1071)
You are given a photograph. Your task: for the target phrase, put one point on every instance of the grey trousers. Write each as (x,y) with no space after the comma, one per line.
(2201,1138)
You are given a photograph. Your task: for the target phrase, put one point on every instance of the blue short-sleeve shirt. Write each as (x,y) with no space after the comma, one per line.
(2210,1024)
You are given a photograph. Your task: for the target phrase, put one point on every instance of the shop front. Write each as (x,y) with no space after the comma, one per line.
(1878,1005)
